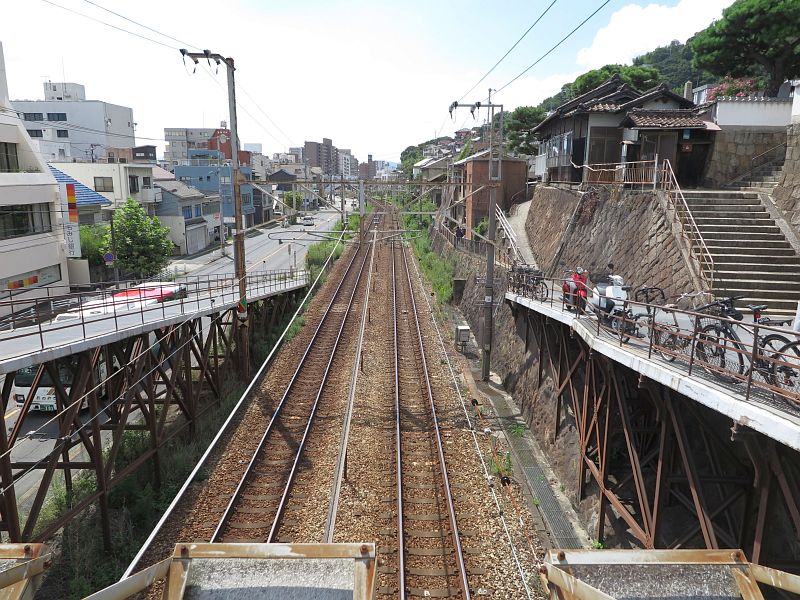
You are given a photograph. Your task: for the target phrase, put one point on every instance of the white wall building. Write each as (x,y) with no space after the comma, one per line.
(180,140)
(117,181)
(88,127)
(31,233)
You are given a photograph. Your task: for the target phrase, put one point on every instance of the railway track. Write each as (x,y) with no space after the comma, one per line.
(254,511)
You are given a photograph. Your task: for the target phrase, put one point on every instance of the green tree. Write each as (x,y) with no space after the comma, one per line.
(674,62)
(519,124)
(639,77)
(142,245)
(293,199)
(752,34)
(93,243)
(408,157)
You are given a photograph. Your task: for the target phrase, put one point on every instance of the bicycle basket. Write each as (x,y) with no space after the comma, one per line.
(713,314)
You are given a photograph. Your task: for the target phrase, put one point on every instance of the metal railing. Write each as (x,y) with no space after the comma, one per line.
(689,230)
(97,313)
(757,359)
(477,247)
(511,236)
(636,173)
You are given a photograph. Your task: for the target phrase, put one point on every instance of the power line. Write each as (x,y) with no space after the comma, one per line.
(109,25)
(539,18)
(561,41)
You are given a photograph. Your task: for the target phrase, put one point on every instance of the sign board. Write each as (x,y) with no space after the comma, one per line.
(108,258)
(229,220)
(69,211)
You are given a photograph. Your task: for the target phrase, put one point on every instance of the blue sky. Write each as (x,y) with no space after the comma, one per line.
(374,76)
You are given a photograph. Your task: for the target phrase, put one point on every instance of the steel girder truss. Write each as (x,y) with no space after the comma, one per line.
(159,383)
(668,473)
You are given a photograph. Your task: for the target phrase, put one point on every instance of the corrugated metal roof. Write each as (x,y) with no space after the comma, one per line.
(84,196)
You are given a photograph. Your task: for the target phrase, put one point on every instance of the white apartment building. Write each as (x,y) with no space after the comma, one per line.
(117,182)
(348,164)
(31,234)
(68,126)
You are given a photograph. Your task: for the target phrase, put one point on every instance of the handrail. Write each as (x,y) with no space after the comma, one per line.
(511,235)
(689,229)
(762,358)
(753,167)
(640,172)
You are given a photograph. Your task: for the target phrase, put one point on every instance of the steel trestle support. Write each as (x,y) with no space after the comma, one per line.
(157,383)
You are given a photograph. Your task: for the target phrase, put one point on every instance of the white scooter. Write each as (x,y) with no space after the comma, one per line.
(608,301)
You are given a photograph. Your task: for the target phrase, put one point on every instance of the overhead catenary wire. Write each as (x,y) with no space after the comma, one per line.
(561,41)
(502,58)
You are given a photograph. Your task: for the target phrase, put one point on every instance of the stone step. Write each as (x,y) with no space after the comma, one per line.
(727,209)
(761,259)
(729,229)
(718,194)
(773,296)
(783,274)
(748,267)
(750,250)
(743,236)
(757,284)
(748,243)
(778,308)
(752,221)
(730,214)
(693,201)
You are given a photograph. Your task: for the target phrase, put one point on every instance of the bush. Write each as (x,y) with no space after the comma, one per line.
(92,243)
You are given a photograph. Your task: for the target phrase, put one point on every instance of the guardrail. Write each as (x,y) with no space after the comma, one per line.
(759,360)
(689,231)
(34,317)
(643,173)
(473,246)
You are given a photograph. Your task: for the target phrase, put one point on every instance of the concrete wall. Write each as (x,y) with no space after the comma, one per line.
(753,112)
(568,230)
(733,150)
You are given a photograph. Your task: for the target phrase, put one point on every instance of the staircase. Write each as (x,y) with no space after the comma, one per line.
(752,257)
(763,179)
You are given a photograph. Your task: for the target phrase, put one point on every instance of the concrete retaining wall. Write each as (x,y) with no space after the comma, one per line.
(733,150)
(787,193)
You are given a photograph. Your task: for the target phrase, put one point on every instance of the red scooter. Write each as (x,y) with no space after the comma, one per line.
(574,289)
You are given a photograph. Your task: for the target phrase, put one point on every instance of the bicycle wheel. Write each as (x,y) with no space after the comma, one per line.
(785,367)
(719,351)
(620,328)
(665,341)
(540,290)
(769,349)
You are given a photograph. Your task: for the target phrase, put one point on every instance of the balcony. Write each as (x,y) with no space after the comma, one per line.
(148,195)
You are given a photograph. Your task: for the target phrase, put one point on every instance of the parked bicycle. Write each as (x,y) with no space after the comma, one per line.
(667,339)
(719,349)
(529,281)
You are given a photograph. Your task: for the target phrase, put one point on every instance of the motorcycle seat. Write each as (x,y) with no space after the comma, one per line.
(755,307)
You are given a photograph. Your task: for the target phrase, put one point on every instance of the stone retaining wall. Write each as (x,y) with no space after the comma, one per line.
(787,193)
(733,150)
(569,229)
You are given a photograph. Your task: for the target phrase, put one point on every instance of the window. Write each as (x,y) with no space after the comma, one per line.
(62,133)
(185,178)
(56,116)
(224,179)
(133,184)
(35,133)
(33,116)
(247,198)
(146,183)
(187,212)
(24,219)
(9,162)
(198,210)
(103,184)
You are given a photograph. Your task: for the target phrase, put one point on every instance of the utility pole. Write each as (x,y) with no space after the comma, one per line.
(495,177)
(240,271)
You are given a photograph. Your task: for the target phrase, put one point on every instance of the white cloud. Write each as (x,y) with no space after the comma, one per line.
(634,30)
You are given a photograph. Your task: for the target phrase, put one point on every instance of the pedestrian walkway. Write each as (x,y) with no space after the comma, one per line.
(517,218)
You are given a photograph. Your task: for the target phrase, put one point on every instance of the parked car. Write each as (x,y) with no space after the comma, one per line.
(308,220)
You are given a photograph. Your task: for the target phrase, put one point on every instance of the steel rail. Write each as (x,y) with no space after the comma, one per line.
(401,551)
(285,495)
(459,552)
(262,442)
(341,462)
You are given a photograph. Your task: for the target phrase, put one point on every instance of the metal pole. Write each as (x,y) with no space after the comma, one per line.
(238,238)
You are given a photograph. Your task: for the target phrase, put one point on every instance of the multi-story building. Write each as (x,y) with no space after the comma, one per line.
(31,233)
(193,218)
(210,172)
(68,126)
(181,140)
(298,152)
(117,181)
(323,155)
(256,148)
(367,170)
(348,164)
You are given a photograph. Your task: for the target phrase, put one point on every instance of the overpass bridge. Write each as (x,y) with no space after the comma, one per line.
(682,437)
(136,366)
